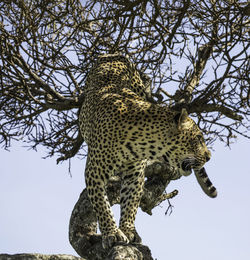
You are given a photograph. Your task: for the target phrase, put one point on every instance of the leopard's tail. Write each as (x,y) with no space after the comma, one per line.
(205,183)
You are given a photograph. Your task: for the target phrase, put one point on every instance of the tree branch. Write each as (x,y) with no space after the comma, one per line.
(46,51)
(73,151)
(199,108)
(38,257)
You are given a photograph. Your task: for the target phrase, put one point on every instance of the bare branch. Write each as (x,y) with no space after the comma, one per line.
(194,51)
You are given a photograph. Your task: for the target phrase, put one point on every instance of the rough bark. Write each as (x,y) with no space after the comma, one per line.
(38,257)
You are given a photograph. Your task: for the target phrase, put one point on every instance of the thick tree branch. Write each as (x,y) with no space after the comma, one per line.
(38,257)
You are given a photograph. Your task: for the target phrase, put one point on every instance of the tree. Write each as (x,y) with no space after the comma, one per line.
(47,48)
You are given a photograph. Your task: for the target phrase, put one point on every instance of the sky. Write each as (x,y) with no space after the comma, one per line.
(37,197)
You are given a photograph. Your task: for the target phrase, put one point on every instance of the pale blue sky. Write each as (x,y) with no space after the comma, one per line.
(37,196)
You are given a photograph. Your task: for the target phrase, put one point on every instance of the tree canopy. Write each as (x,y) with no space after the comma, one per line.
(193,52)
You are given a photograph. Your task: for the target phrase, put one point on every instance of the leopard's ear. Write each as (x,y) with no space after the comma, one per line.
(182,120)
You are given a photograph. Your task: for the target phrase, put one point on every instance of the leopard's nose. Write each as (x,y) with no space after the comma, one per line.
(208,156)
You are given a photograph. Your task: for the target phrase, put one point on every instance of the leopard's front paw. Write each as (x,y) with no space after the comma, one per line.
(110,239)
(132,235)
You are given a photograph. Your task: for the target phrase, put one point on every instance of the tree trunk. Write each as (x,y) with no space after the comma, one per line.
(38,257)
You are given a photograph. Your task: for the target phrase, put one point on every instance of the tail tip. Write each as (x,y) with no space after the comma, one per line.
(214,194)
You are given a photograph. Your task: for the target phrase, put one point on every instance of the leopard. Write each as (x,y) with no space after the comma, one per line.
(123,131)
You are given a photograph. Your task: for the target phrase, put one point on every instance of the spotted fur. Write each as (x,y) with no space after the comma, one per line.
(123,130)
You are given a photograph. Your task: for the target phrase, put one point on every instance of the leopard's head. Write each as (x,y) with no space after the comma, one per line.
(188,150)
